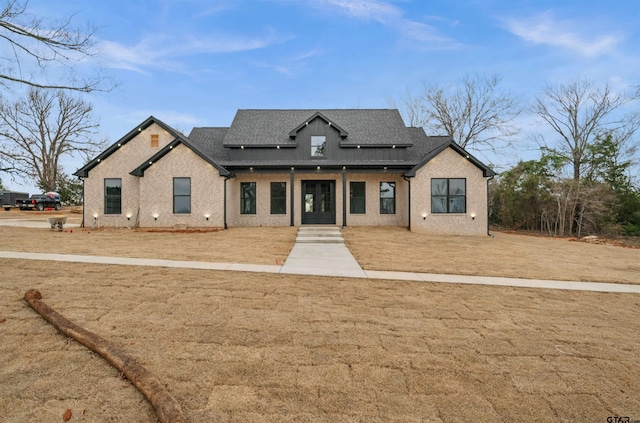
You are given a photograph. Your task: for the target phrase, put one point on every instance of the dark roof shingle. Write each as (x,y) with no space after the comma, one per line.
(272,127)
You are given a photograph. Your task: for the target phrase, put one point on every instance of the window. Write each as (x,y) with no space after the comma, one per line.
(155,140)
(387,197)
(182,195)
(357,197)
(449,195)
(247,198)
(278,198)
(318,144)
(112,196)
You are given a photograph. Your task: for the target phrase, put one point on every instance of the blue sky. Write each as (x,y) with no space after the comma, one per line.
(195,62)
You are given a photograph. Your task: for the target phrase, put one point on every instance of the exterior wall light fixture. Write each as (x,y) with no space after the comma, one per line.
(424,216)
(206,216)
(473,216)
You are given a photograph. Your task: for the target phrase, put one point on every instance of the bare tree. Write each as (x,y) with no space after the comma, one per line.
(475,112)
(580,113)
(36,132)
(32,45)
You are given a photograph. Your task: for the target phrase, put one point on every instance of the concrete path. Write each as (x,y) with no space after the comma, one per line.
(320,250)
(371,274)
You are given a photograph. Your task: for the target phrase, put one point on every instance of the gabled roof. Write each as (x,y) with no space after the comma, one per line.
(209,140)
(436,145)
(139,171)
(366,127)
(83,172)
(294,132)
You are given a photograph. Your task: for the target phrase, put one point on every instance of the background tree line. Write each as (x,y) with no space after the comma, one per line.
(43,115)
(585,181)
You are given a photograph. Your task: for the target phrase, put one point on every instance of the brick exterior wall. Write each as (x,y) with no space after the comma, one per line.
(373,217)
(263,216)
(156,192)
(449,164)
(118,165)
(152,195)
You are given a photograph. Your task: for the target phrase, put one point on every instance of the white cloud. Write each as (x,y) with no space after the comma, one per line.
(393,17)
(366,9)
(545,29)
(162,51)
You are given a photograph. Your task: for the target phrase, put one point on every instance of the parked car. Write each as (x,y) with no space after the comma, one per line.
(8,199)
(49,200)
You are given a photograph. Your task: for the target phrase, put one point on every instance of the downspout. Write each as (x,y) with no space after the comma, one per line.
(225,202)
(406,178)
(490,178)
(291,202)
(83,209)
(344,198)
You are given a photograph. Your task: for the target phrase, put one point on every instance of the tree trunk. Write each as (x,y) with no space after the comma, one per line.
(167,408)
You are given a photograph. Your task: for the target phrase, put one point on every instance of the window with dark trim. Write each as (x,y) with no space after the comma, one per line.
(357,198)
(247,198)
(112,196)
(387,198)
(448,195)
(318,145)
(278,198)
(181,195)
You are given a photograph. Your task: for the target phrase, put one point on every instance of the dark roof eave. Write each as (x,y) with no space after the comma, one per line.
(352,145)
(83,172)
(294,132)
(486,171)
(285,145)
(389,166)
(139,171)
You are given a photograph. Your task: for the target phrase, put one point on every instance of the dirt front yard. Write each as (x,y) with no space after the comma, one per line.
(239,347)
(380,248)
(503,255)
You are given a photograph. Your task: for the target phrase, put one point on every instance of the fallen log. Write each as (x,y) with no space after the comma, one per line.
(167,408)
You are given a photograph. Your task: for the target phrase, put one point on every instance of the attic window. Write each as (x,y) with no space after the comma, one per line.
(318,144)
(155,141)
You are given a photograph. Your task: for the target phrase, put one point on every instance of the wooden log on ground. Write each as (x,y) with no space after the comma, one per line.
(167,408)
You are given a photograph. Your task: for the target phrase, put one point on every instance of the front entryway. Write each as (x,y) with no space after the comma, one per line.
(318,202)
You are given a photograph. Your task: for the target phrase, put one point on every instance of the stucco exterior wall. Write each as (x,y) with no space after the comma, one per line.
(263,216)
(118,165)
(156,192)
(449,164)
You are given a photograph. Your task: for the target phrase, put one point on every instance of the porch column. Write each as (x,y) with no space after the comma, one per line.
(225,203)
(291,202)
(344,197)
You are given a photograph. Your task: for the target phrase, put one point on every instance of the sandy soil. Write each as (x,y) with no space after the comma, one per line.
(237,347)
(375,248)
(236,245)
(240,347)
(508,255)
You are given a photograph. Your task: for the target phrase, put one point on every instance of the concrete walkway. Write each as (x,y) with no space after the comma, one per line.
(371,274)
(320,250)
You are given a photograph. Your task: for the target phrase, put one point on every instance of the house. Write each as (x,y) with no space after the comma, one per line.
(345,167)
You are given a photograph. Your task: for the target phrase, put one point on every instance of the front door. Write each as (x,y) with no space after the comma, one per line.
(318,202)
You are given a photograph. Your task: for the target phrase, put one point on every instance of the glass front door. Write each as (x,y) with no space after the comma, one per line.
(318,202)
